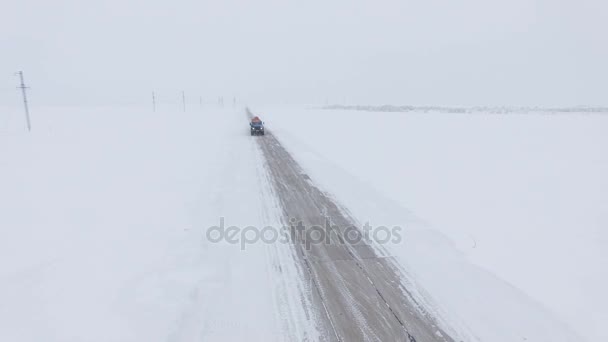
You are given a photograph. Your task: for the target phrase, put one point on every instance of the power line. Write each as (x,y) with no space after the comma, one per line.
(23,91)
(184,100)
(153,101)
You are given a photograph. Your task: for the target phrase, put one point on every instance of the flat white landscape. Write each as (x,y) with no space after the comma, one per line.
(103,213)
(523,196)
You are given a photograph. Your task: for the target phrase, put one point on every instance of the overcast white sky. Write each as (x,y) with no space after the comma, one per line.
(460,52)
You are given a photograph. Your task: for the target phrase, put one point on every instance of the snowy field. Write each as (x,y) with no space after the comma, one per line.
(523,196)
(103,214)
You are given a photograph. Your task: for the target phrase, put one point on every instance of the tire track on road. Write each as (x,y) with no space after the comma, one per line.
(360,292)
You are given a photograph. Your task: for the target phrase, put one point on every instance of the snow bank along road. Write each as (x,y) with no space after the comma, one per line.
(357,292)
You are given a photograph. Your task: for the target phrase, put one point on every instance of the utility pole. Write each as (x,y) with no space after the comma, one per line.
(184,100)
(153,102)
(201,101)
(23,91)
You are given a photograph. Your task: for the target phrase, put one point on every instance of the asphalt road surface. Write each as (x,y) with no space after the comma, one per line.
(358,295)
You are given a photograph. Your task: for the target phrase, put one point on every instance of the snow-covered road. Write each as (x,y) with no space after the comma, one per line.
(360,290)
